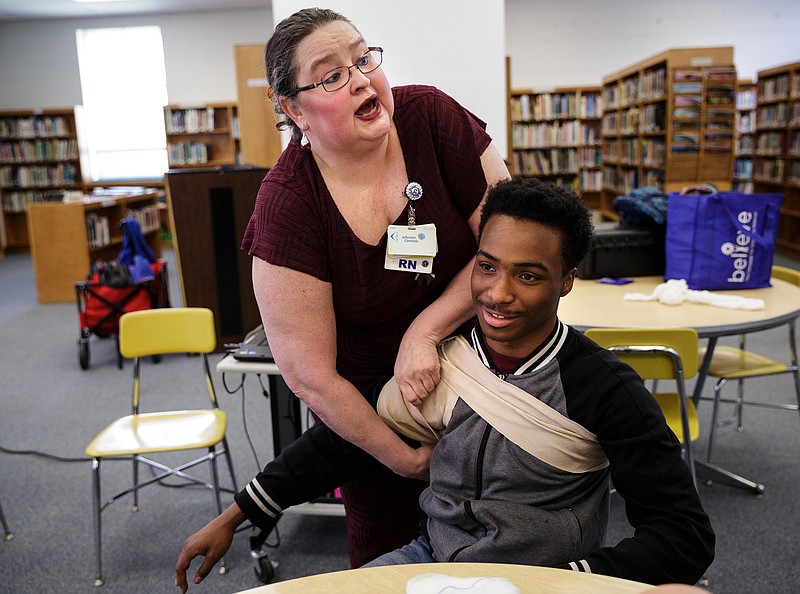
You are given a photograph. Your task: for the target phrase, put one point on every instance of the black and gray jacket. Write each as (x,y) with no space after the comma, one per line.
(491,501)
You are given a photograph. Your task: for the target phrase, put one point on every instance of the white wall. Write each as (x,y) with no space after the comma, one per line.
(454,45)
(578,42)
(39,61)
(551,43)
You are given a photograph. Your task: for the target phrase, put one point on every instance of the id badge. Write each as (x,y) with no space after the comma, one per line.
(411,248)
(419,240)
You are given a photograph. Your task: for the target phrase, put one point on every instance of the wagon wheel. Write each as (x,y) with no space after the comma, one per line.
(120,358)
(83,352)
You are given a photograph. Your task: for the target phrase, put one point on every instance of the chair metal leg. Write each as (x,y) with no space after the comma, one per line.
(702,373)
(794,362)
(98,580)
(8,534)
(135,506)
(797,386)
(212,456)
(230,460)
(687,438)
(714,473)
(714,413)
(739,406)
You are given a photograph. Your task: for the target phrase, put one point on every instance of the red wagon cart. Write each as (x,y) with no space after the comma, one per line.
(135,281)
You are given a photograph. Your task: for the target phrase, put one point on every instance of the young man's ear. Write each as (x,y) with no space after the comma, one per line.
(569,279)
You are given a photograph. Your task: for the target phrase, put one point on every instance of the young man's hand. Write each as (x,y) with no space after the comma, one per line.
(210,542)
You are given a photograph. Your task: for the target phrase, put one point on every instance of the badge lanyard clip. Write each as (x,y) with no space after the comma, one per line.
(413,192)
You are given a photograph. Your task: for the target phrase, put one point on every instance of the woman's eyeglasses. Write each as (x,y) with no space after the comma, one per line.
(339,77)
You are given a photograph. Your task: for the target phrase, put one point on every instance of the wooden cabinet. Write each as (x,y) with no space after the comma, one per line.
(203,136)
(745,136)
(66,237)
(556,136)
(776,164)
(669,122)
(261,141)
(209,210)
(39,159)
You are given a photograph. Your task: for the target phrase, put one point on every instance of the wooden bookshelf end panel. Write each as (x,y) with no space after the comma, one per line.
(60,247)
(59,250)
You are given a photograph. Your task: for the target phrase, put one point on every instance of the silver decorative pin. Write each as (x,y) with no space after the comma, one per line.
(413,192)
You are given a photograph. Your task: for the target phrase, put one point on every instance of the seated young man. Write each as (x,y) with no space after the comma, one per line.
(531,421)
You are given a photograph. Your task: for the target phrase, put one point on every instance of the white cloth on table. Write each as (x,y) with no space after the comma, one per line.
(676,291)
(436,583)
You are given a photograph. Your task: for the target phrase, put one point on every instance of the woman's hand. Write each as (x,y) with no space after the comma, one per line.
(416,369)
(210,542)
(422,464)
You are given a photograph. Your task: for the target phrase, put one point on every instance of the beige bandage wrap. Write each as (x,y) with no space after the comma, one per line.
(523,419)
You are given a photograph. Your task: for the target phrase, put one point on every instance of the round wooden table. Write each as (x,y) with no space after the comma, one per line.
(596,305)
(591,304)
(393,579)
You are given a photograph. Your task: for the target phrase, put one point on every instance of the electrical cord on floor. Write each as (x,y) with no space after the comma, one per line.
(42,455)
(56,458)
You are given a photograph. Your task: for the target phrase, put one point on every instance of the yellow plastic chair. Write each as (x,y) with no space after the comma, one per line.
(661,354)
(731,363)
(151,333)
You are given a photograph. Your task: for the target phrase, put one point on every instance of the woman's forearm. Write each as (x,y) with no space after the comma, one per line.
(342,408)
(451,309)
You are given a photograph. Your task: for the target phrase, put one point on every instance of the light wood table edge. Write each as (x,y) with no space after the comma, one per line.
(393,579)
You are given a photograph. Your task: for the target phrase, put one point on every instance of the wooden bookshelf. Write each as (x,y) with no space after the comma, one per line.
(776,164)
(39,160)
(202,136)
(668,122)
(745,136)
(555,135)
(66,237)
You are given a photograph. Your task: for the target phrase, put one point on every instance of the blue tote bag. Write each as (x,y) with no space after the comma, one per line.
(135,252)
(721,240)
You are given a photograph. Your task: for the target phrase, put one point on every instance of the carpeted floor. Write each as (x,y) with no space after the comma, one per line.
(48,404)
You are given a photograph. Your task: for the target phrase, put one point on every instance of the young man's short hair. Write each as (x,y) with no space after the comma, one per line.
(530,199)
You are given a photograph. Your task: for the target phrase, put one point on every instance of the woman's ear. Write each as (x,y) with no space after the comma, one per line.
(292,109)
